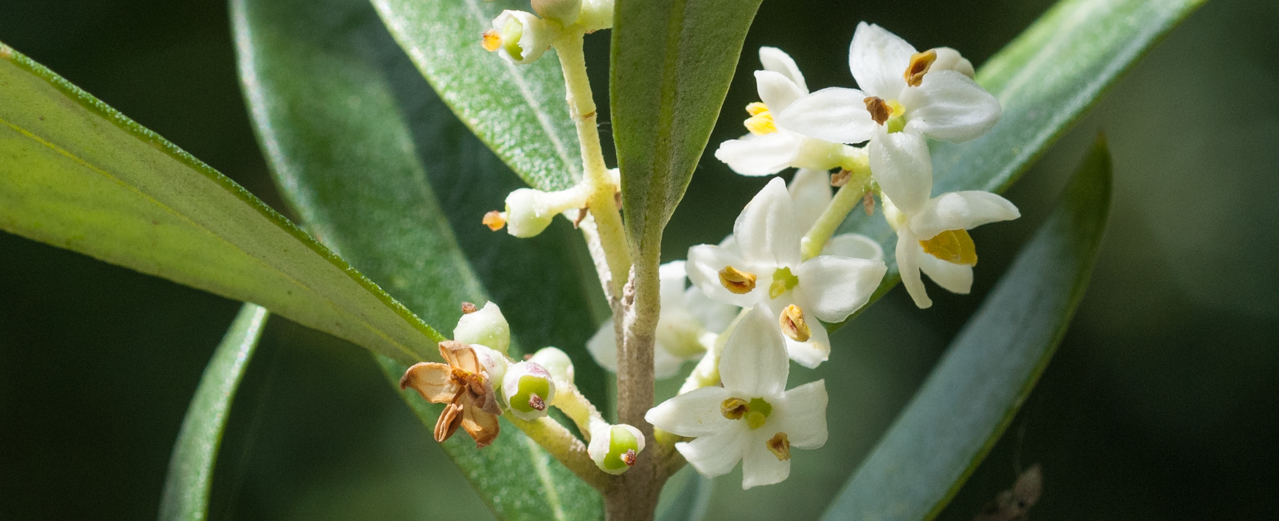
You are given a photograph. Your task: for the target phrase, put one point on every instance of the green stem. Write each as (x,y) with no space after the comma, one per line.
(844,201)
(573,404)
(565,448)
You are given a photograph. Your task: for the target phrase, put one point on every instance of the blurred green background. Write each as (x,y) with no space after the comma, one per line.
(1159,405)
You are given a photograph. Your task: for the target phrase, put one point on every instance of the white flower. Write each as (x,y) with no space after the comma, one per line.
(771,147)
(687,327)
(935,239)
(520,37)
(905,97)
(752,418)
(764,266)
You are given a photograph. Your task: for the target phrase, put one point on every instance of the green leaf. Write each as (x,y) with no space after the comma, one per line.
(358,144)
(671,66)
(518,110)
(186,489)
(76,174)
(1046,79)
(990,368)
(685,497)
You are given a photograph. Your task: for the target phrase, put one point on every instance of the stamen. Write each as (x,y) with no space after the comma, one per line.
(737,281)
(492,40)
(495,220)
(878,108)
(756,108)
(733,408)
(537,403)
(468,308)
(761,120)
(793,324)
(953,246)
(629,457)
(920,62)
(779,445)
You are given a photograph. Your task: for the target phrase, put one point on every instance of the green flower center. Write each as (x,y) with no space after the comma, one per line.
(621,447)
(783,281)
(529,387)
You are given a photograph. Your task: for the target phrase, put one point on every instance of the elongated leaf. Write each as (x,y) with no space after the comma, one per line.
(689,497)
(990,368)
(356,141)
(1046,79)
(672,63)
(76,174)
(518,110)
(186,489)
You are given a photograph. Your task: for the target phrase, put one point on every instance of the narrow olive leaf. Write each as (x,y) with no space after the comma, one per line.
(686,497)
(76,174)
(992,365)
(518,110)
(671,66)
(357,143)
(1046,79)
(186,489)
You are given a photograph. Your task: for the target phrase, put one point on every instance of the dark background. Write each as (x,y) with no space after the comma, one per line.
(1159,405)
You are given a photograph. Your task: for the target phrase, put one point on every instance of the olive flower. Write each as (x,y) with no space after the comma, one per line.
(465,385)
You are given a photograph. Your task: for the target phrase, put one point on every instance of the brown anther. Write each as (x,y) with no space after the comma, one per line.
(468,308)
(793,324)
(779,445)
(868,203)
(581,216)
(878,108)
(629,457)
(737,281)
(492,40)
(494,220)
(734,408)
(536,402)
(920,62)
(840,178)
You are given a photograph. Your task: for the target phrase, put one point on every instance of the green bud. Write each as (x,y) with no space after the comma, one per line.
(528,390)
(486,327)
(614,448)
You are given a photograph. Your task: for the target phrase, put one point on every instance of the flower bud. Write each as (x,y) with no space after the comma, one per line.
(555,362)
(528,389)
(614,448)
(519,37)
(562,11)
(486,327)
(493,362)
(596,15)
(530,211)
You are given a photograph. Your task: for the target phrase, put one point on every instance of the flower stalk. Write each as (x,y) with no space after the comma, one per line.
(859,183)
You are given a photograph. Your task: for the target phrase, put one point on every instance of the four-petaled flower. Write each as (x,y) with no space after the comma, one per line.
(935,239)
(465,386)
(905,97)
(765,266)
(752,418)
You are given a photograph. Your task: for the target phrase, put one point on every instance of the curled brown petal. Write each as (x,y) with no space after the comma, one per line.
(431,380)
(460,355)
(448,422)
(481,425)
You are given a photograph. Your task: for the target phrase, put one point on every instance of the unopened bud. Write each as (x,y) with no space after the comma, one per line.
(614,448)
(527,388)
(493,362)
(486,327)
(530,211)
(555,362)
(519,37)
(562,11)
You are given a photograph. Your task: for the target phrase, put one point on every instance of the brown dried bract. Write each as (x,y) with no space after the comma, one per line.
(1014,504)
(878,108)
(468,308)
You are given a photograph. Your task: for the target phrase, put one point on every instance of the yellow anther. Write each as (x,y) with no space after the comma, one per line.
(779,445)
(878,108)
(492,40)
(737,281)
(919,65)
(761,120)
(733,408)
(954,246)
(495,220)
(793,324)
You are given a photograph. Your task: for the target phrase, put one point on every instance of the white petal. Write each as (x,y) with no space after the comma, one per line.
(854,245)
(801,414)
(776,90)
(810,192)
(950,60)
(878,59)
(754,358)
(835,287)
(950,106)
(603,346)
(809,353)
(759,465)
(695,413)
(832,114)
(908,253)
(900,163)
(755,155)
(704,264)
(960,211)
(766,230)
(714,315)
(672,277)
(715,455)
(775,60)
(730,244)
(955,278)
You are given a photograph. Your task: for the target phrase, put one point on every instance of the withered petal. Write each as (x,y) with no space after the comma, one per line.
(448,422)
(480,425)
(460,355)
(433,381)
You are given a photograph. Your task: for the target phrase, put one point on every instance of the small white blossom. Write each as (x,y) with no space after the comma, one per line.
(530,211)
(519,37)
(935,239)
(752,418)
(764,265)
(687,327)
(614,448)
(527,389)
(905,97)
(771,147)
